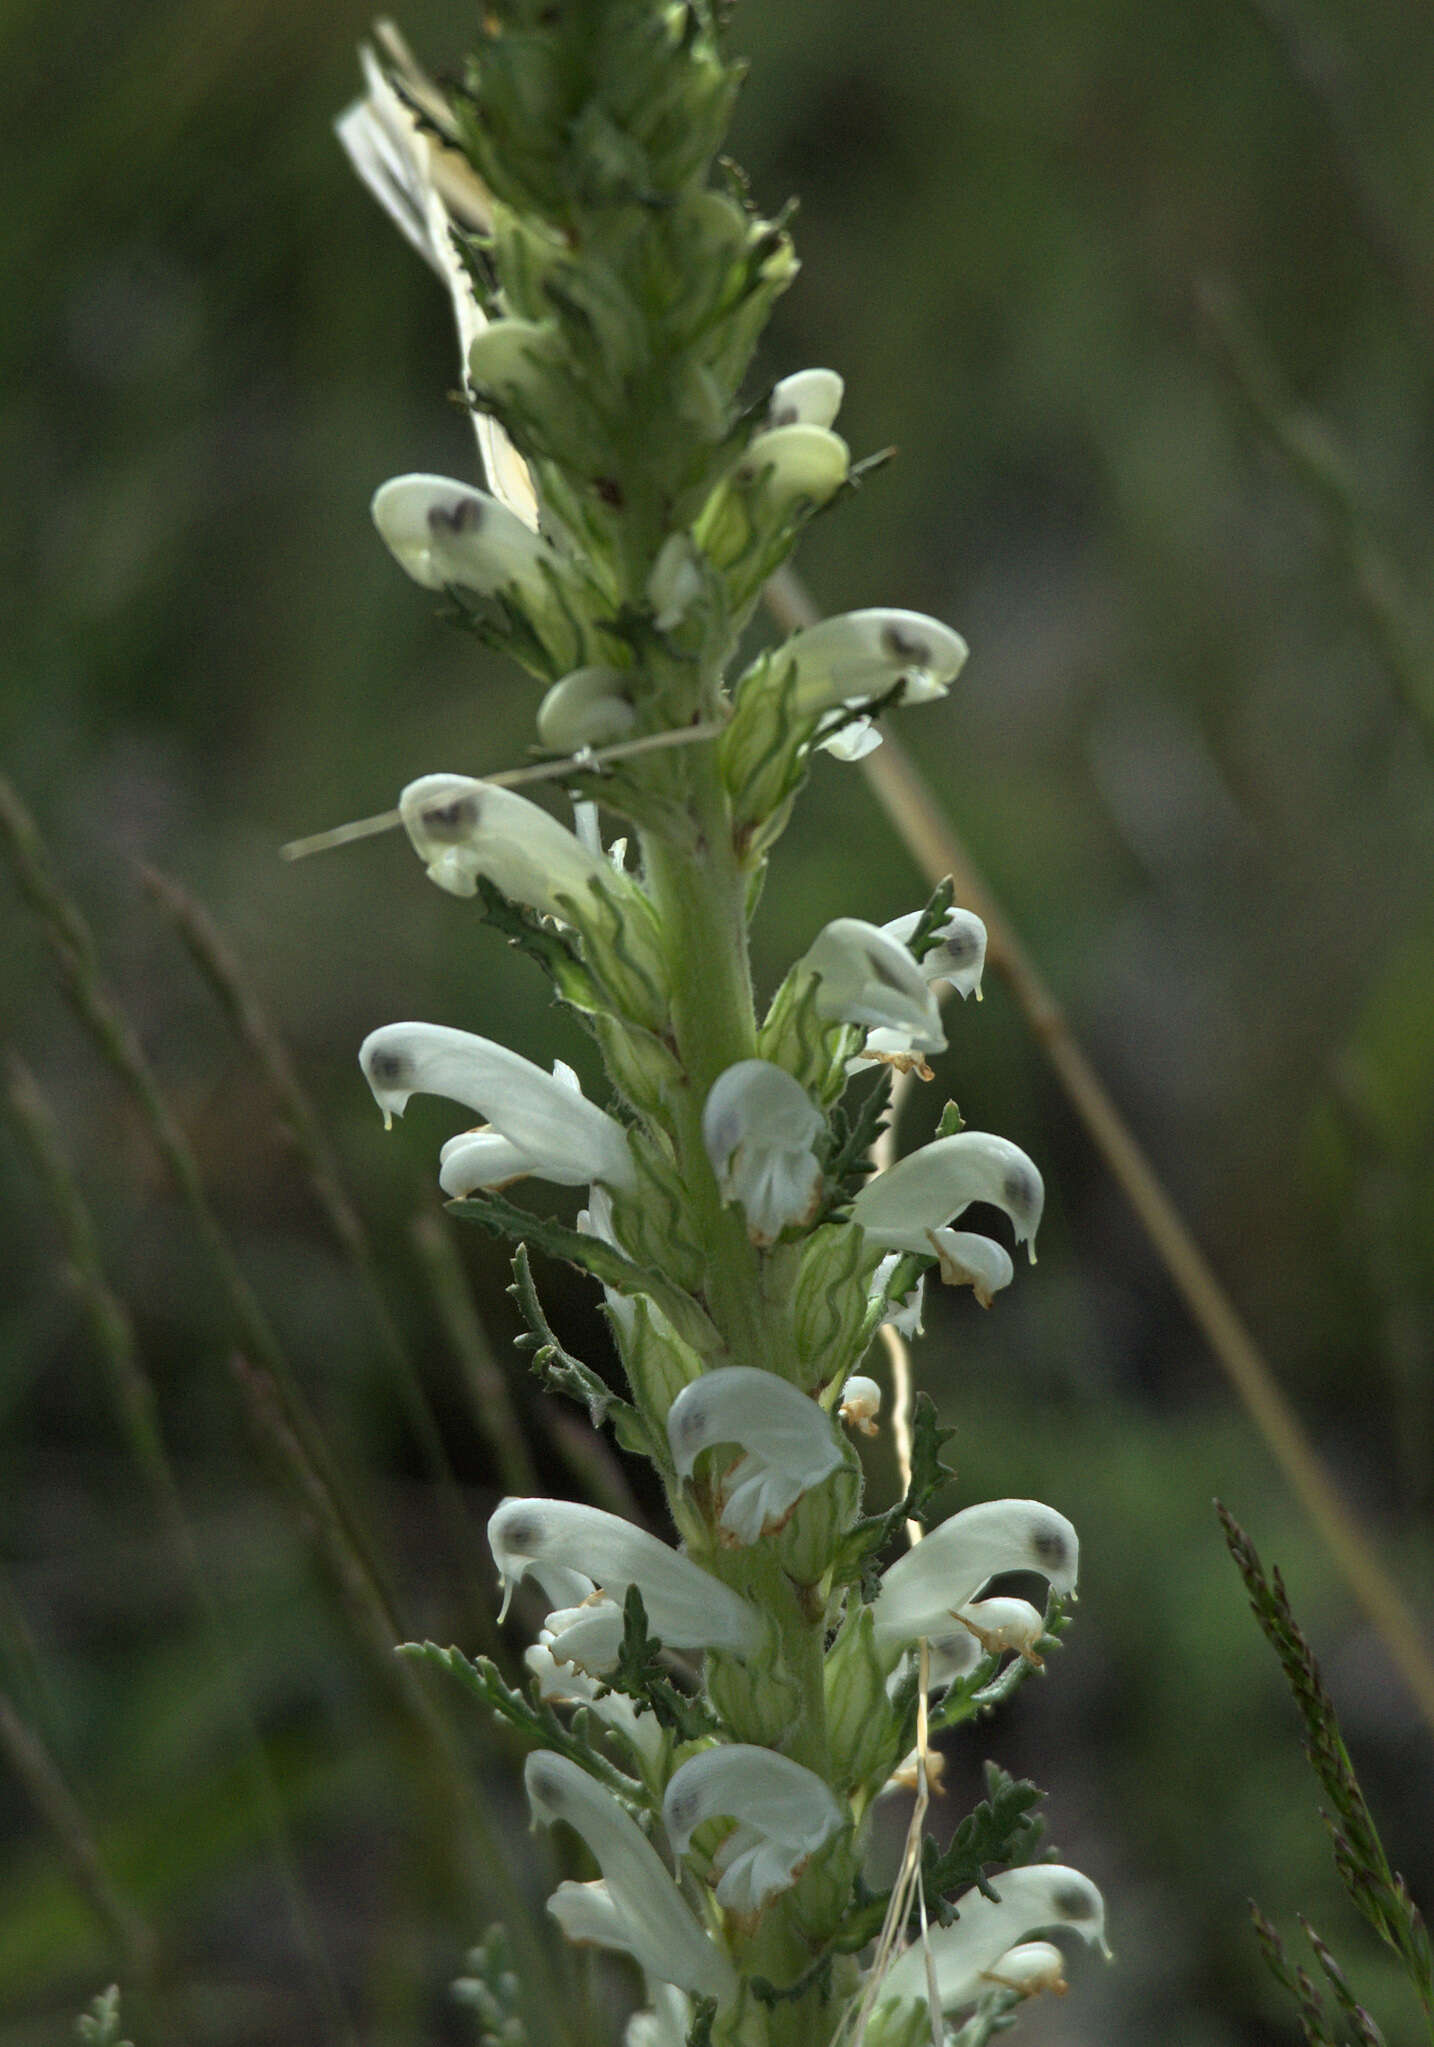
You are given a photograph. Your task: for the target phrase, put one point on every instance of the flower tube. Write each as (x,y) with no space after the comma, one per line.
(923,1590)
(932,1186)
(758,1125)
(1044,1894)
(686,1607)
(789,1442)
(462,829)
(636,1908)
(784,1812)
(867,977)
(449,535)
(563,1136)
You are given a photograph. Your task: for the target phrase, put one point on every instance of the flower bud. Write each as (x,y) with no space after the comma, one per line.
(932,1186)
(636,1908)
(789,1442)
(860,1404)
(552,1126)
(862,654)
(446,534)
(461,828)
(1031,1968)
(808,398)
(784,1813)
(759,1125)
(590,707)
(922,1590)
(1027,1900)
(791,465)
(687,1608)
(866,977)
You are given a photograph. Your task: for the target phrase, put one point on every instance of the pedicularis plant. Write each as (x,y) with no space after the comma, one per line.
(716,1718)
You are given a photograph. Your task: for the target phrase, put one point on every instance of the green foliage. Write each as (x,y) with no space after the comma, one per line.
(100,2025)
(559,1371)
(857,1557)
(493,1991)
(641,1674)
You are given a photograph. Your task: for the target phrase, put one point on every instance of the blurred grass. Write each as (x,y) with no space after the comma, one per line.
(1176,751)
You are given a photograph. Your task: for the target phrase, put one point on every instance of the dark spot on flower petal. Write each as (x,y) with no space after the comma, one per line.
(453,820)
(901,647)
(1071,1902)
(388,1068)
(522,1534)
(1019,1189)
(1050,1546)
(461,515)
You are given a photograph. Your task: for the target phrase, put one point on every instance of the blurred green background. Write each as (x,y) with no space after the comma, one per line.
(1191,751)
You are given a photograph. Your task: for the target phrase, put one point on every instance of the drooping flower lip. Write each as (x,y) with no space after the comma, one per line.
(759,1126)
(784,1813)
(637,1908)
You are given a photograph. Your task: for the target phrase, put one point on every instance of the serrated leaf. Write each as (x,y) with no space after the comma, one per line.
(1001,1829)
(641,1675)
(862,1544)
(560,1372)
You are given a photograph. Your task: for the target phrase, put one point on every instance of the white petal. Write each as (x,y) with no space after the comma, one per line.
(959,958)
(932,1186)
(445,533)
(784,1814)
(1030,1968)
(854,741)
(860,1404)
(666,2025)
(1028,1900)
(758,1125)
(589,707)
(642,1911)
(687,1608)
(867,977)
(862,654)
(790,1442)
(566,1137)
(807,398)
(461,828)
(922,1590)
(796,463)
(968,1259)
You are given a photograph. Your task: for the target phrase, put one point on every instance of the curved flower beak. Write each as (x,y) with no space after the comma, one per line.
(930,1187)
(759,1125)
(686,1607)
(789,1442)
(449,535)
(461,828)
(562,1136)
(1028,1901)
(922,1591)
(867,977)
(636,1908)
(783,1811)
(807,398)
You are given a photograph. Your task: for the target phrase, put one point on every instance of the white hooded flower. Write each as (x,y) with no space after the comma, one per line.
(930,1187)
(861,654)
(759,1126)
(795,464)
(925,1589)
(636,1908)
(867,977)
(461,828)
(449,535)
(552,1127)
(783,1811)
(807,398)
(589,707)
(572,1550)
(1029,1900)
(789,1441)
(958,958)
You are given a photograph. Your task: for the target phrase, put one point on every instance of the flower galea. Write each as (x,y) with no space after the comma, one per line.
(1027,1901)
(929,1188)
(789,1443)
(783,1811)
(462,829)
(759,1126)
(922,1591)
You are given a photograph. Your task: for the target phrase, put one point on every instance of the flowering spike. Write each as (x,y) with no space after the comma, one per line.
(563,1136)
(922,1590)
(1027,1900)
(784,1813)
(636,1908)
(461,828)
(759,1125)
(446,534)
(687,1608)
(931,1187)
(789,1442)
(867,977)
